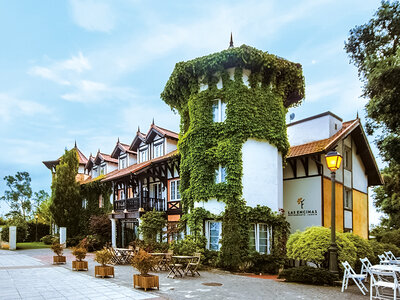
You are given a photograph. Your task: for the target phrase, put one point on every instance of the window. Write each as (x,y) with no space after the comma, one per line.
(220,174)
(143,155)
(102,170)
(219,110)
(122,163)
(174,190)
(101,202)
(260,236)
(158,150)
(84,203)
(347,158)
(348,201)
(122,194)
(213,234)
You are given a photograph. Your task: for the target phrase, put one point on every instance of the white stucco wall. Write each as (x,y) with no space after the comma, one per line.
(313,130)
(360,180)
(309,190)
(111,167)
(213,206)
(171,145)
(262,174)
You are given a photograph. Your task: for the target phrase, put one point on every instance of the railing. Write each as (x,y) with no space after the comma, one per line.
(132,204)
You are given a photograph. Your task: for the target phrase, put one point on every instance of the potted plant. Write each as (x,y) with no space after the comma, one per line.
(79,264)
(103,257)
(58,249)
(143,262)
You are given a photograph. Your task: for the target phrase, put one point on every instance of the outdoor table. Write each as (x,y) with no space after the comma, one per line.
(184,260)
(126,254)
(386,268)
(161,263)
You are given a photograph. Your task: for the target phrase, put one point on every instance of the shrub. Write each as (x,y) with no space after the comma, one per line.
(79,253)
(74,241)
(49,239)
(389,237)
(42,230)
(143,262)
(189,245)
(363,249)
(310,275)
(262,263)
(313,243)
(103,257)
(152,224)
(21,234)
(210,258)
(100,226)
(57,248)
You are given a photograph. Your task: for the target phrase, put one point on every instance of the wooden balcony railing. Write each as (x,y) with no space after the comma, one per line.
(174,208)
(133,204)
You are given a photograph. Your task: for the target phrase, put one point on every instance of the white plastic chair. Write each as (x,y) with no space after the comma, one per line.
(392,259)
(383,260)
(365,266)
(357,278)
(381,280)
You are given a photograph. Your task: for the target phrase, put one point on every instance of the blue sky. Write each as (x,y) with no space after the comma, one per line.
(92,71)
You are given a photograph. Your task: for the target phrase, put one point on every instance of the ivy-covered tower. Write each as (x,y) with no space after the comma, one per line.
(233,132)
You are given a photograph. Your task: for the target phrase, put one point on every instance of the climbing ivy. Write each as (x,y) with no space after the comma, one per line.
(256,112)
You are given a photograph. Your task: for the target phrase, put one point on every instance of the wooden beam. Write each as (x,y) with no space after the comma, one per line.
(304,161)
(293,165)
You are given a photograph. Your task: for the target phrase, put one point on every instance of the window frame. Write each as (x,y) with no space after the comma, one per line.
(159,145)
(176,190)
(347,159)
(144,151)
(218,177)
(256,229)
(208,234)
(347,191)
(221,108)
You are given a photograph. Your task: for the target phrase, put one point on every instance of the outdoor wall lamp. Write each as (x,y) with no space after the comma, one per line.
(333,161)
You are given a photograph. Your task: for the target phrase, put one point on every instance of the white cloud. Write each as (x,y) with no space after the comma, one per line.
(93,15)
(47,74)
(11,107)
(76,63)
(320,90)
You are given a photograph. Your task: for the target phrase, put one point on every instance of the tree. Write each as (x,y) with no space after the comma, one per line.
(66,205)
(19,193)
(374,49)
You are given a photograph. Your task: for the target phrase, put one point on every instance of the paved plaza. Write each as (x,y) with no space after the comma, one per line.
(29,274)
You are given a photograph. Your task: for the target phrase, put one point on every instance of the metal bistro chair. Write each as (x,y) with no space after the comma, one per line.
(193,265)
(357,278)
(383,259)
(381,280)
(393,259)
(365,266)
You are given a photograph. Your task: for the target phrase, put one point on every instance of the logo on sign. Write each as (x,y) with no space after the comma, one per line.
(302,211)
(300,202)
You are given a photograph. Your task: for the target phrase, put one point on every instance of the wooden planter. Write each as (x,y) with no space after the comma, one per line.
(59,260)
(103,271)
(80,265)
(145,281)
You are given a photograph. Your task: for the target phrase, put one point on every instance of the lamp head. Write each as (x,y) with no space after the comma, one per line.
(333,160)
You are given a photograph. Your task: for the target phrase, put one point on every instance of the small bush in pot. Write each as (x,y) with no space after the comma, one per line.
(103,257)
(79,263)
(144,262)
(58,250)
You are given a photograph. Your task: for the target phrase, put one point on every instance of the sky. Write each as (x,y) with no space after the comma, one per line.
(92,71)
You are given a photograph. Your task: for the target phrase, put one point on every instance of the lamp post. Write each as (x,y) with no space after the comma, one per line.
(333,160)
(36,218)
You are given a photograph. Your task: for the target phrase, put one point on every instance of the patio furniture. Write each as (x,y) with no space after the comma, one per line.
(357,278)
(383,259)
(125,255)
(178,265)
(159,257)
(365,266)
(383,280)
(392,259)
(193,265)
(116,257)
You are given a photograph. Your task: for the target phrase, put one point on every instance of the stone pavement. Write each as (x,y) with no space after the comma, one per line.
(48,282)
(24,277)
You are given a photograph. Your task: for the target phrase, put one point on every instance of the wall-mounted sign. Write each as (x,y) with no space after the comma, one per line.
(302,211)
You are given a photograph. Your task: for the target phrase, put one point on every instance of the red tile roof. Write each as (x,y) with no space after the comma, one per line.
(322,145)
(165,132)
(81,157)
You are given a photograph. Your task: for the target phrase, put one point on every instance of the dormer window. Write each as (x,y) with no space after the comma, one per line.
(143,155)
(158,150)
(219,110)
(123,161)
(220,174)
(102,170)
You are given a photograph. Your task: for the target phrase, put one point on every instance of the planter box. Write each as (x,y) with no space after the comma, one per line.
(145,281)
(80,265)
(59,260)
(103,271)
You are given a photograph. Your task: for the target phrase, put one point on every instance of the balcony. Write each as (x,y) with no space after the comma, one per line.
(174,207)
(133,204)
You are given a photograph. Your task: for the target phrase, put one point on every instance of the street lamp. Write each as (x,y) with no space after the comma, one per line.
(36,218)
(333,161)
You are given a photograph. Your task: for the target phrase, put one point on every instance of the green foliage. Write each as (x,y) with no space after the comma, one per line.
(189,245)
(103,257)
(91,192)
(210,258)
(313,243)
(143,262)
(19,193)
(389,236)
(66,206)
(57,248)
(79,253)
(48,239)
(152,246)
(262,263)
(363,249)
(100,226)
(21,232)
(195,220)
(42,230)
(310,275)
(387,196)
(91,243)
(152,225)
